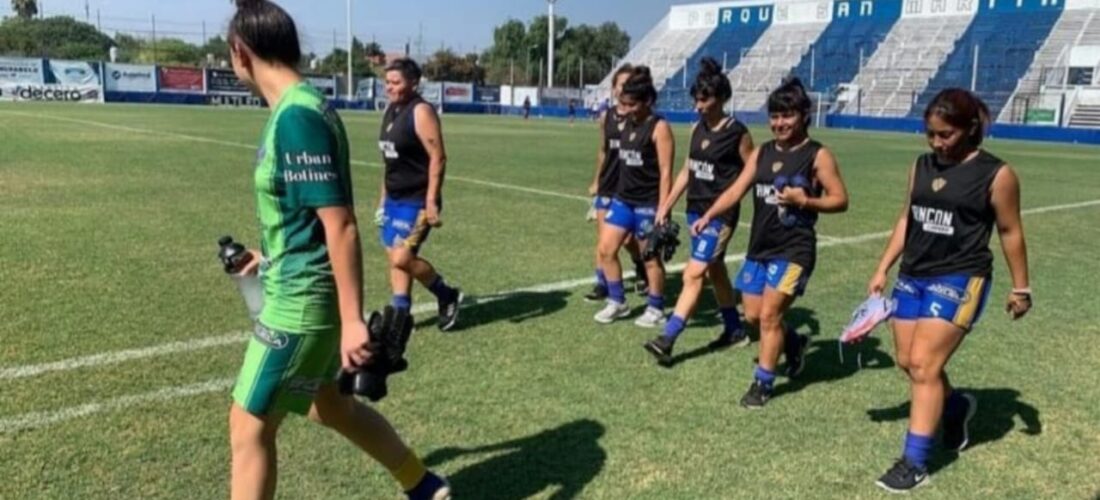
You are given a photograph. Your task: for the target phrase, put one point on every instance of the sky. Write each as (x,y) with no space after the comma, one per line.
(463,25)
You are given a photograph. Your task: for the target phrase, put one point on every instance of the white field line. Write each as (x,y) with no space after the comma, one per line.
(207,140)
(39,419)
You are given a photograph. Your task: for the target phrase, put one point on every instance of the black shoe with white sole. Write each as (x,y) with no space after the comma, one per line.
(903,477)
(448,311)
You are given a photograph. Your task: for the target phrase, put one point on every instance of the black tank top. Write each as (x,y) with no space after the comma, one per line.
(613,125)
(770,239)
(715,162)
(640,174)
(950,217)
(406,159)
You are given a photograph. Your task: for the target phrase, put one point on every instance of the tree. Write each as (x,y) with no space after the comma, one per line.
(520,49)
(509,46)
(374,54)
(25,9)
(337,61)
(57,37)
(445,65)
(218,47)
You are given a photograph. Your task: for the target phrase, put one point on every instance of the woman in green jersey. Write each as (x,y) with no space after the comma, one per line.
(312,323)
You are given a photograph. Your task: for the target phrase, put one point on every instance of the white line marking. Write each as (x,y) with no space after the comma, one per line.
(115,357)
(195,138)
(35,420)
(479,182)
(39,419)
(1055,208)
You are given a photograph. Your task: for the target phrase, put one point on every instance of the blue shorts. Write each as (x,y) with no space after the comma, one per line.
(636,220)
(601,202)
(956,298)
(782,276)
(711,244)
(404,223)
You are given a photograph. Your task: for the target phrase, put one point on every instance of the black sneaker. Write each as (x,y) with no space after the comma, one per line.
(902,477)
(660,348)
(956,427)
(757,396)
(598,294)
(794,354)
(727,340)
(448,311)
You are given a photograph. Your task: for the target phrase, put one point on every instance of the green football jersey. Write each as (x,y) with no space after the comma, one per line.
(303,165)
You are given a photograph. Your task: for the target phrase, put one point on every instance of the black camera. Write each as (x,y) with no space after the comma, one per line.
(662,242)
(389,332)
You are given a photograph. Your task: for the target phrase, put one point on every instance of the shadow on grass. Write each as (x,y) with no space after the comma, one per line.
(995,418)
(822,363)
(799,318)
(566,458)
(513,307)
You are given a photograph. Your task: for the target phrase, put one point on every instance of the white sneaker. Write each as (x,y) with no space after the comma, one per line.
(611,312)
(651,318)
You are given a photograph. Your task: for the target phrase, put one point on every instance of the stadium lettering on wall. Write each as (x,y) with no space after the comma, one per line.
(50,93)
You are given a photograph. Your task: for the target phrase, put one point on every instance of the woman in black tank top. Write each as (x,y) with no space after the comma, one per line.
(606,182)
(957,194)
(719,146)
(411,141)
(793,179)
(646,151)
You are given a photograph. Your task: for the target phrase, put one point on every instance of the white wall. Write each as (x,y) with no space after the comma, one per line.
(814,11)
(1084,56)
(938,8)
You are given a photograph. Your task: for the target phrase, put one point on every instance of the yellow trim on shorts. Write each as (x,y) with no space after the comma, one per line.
(789,284)
(964,316)
(724,237)
(416,235)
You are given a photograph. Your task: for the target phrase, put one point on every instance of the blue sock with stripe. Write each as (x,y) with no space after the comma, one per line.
(615,292)
(402,302)
(656,301)
(731,320)
(674,327)
(601,280)
(917,449)
(440,289)
(765,376)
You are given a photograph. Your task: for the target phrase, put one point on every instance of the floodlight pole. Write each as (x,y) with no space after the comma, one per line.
(550,45)
(351,78)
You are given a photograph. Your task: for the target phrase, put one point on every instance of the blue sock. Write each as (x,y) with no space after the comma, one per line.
(765,376)
(656,302)
(731,320)
(917,449)
(601,280)
(403,302)
(440,289)
(674,327)
(615,292)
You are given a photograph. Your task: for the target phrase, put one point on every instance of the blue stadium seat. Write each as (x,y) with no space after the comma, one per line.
(853,30)
(1007,38)
(738,30)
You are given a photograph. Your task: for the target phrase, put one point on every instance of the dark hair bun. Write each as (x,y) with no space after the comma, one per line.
(248,4)
(708,67)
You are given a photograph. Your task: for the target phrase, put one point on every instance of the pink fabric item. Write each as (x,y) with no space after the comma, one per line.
(872,312)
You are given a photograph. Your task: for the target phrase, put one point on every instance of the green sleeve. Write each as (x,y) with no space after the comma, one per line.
(307,160)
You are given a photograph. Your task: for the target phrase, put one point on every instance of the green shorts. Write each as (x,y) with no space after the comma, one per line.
(283,371)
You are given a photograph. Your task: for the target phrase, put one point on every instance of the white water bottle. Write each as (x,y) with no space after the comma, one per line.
(235,257)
